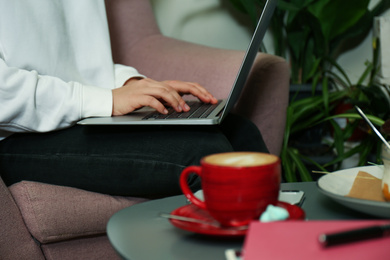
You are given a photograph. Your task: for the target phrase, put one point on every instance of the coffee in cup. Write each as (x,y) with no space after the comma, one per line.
(237,186)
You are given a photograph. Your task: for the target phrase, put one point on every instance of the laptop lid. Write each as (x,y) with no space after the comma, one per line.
(224,107)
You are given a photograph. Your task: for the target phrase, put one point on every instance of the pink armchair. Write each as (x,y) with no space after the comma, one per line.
(42,221)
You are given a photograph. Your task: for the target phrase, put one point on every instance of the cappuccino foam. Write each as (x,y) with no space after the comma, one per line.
(241,159)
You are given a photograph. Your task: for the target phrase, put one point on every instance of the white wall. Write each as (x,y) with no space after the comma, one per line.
(211,22)
(206,22)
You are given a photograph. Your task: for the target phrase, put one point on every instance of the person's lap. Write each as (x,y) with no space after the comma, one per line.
(122,160)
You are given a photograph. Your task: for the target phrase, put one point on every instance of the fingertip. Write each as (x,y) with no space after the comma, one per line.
(207,98)
(211,99)
(186,107)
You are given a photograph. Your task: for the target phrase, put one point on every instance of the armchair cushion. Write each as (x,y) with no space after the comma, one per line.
(55,213)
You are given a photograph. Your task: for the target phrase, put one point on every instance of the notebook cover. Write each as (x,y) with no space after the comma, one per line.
(299,240)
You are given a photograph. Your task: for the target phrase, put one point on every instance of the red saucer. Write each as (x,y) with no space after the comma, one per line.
(192,211)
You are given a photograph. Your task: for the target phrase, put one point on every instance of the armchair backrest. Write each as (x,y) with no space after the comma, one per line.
(135,17)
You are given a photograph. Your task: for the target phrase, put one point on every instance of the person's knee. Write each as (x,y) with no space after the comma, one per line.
(242,134)
(207,143)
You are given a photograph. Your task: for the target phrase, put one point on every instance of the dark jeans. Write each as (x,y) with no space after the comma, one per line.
(122,160)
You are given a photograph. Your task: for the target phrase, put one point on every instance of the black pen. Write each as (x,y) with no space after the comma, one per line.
(354,235)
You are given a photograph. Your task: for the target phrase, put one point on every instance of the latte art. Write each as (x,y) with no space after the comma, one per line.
(241,159)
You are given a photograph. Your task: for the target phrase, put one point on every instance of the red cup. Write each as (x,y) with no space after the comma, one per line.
(237,186)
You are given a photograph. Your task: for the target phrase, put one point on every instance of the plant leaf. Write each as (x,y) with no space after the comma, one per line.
(375,120)
(302,170)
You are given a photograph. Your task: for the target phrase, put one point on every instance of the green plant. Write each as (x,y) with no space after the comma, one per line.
(301,115)
(311,34)
(373,99)
(311,111)
(308,32)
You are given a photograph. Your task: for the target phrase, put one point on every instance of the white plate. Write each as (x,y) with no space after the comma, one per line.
(338,184)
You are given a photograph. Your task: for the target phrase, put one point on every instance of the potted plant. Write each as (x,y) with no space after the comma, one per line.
(311,34)
(308,32)
(366,93)
(373,98)
(304,113)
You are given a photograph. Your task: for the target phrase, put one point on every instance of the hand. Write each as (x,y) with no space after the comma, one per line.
(137,93)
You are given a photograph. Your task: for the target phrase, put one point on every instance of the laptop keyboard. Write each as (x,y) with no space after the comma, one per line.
(198,110)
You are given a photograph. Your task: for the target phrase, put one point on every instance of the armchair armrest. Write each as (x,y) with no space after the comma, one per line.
(15,240)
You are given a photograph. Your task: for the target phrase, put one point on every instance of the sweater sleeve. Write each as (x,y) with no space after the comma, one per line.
(35,103)
(124,73)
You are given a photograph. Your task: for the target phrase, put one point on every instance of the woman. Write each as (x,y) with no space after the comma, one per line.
(56,68)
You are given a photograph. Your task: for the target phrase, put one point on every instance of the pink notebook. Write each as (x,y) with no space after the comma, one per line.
(299,240)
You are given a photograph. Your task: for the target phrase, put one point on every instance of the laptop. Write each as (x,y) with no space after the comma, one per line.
(212,114)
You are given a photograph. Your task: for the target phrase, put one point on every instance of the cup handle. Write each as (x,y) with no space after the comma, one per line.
(186,189)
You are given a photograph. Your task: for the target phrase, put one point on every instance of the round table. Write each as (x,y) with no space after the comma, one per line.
(138,233)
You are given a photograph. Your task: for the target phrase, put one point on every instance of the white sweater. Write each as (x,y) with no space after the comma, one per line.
(55,64)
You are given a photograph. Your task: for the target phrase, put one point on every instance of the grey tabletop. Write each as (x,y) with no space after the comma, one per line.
(137,233)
